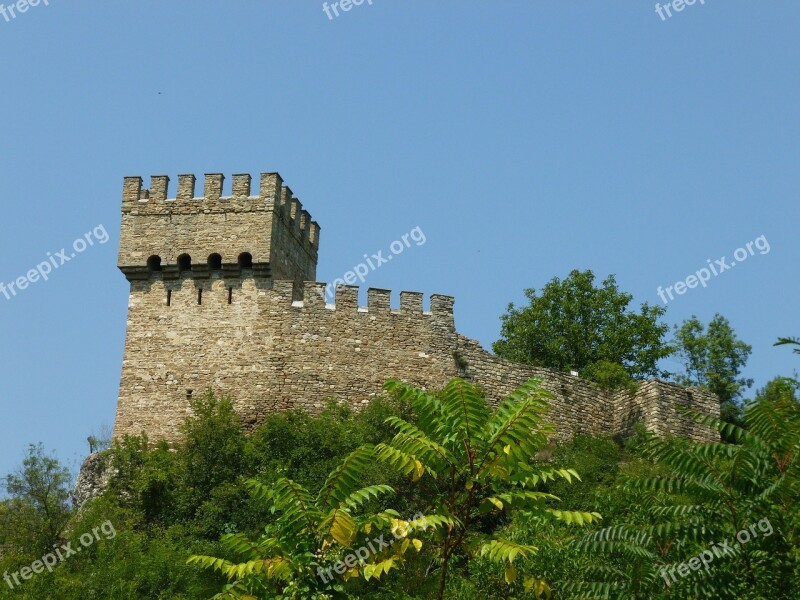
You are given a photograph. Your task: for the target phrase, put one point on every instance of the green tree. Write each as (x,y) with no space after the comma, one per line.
(713,359)
(40,499)
(572,324)
(199,481)
(213,449)
(779,387)
(474,465)
(145,479)
(609,376)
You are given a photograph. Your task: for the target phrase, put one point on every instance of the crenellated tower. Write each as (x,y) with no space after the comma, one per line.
(268,233)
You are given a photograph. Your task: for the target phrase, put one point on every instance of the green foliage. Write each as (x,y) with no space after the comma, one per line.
(474,466)
(144,479)
(609,376)
(597,460)
(310,532)
(712,357)
(200,482)
(213,446)
(789,341)
(40,503)
(779,388)
(169,502)
(490,479)
(133,565)
(707,494)
(572,325)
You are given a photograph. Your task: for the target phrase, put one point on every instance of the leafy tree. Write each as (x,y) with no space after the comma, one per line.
(312,533)
(572,324)
(213,446)
(779,387)
(145,479)
(713,358)
(40,504)
(308,446)
(706,496)
(474,466)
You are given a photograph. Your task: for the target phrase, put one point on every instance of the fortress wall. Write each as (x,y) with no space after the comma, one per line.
(271,353)
(581,407)
(656,404)
(276,346)
(578,406)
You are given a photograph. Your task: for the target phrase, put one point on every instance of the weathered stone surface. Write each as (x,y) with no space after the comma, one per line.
(93,478)
(269,340)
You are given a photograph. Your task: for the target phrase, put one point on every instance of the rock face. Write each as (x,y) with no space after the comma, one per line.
(221,299)
(93,478)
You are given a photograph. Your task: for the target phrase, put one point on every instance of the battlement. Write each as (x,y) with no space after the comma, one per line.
(378,301)
(228,285)
(272,196)
(267,227)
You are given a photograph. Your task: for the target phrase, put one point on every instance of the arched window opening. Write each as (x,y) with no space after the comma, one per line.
(184,263)
(215,262)
(154,264)
(245,260)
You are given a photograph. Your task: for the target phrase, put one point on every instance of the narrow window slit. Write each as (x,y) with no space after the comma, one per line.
(230,295)
(169,297)
(200,296)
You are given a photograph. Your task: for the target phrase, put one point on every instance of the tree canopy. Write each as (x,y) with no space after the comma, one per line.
(575,324)
(712,357)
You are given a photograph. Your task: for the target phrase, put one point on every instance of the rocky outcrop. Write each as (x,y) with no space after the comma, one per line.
(93,479)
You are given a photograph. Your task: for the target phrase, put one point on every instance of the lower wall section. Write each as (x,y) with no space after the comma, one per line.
(581,407)
(577,405)
(657,404)
(251,340)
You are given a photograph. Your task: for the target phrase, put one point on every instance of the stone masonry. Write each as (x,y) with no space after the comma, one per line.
(223,297)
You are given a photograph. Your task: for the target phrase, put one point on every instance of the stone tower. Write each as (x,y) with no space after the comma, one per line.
(186,256)
(266,236)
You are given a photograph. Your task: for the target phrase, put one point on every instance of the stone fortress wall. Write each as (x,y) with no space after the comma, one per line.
(223,297)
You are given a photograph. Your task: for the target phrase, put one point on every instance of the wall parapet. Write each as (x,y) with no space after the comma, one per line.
(580,406)
(658,406)
(378,301)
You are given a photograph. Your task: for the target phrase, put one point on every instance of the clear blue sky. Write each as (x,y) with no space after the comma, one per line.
(525,139)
